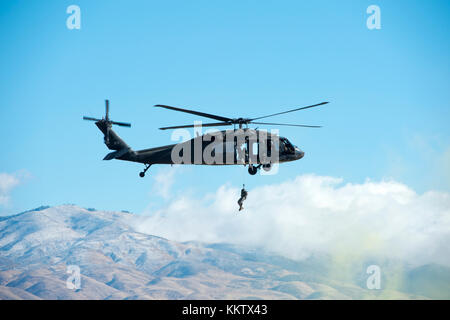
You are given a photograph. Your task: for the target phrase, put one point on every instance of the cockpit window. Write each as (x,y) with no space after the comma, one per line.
(286,146)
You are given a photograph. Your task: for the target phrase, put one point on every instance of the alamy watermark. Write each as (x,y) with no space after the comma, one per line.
(374,20)
(231,147)
(74,20)
(73,282)
(374,280)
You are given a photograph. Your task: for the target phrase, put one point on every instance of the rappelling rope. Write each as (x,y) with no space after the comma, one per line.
(244,175)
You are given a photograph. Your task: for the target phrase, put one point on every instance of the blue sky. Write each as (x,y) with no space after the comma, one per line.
(388,88)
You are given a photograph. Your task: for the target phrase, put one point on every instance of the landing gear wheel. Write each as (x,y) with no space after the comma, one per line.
(252,170)
(142,174)
(267,167)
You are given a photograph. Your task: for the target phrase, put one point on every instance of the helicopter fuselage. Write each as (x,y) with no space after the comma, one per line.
(227,147)
(243,146)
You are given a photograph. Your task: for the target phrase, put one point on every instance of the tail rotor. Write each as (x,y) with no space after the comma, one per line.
(107,122)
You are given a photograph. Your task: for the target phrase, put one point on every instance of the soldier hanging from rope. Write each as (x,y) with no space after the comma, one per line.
(241,200)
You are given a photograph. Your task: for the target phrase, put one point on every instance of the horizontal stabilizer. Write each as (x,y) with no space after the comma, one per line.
(117,154)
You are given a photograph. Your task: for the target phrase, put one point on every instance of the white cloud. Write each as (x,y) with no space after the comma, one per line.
(316,214)
(7,183)
(164,180)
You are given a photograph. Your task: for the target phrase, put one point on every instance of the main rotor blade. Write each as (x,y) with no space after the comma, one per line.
(92,119)
(122,124)
(202,114)
(286,124)
(217,124)
(302,108)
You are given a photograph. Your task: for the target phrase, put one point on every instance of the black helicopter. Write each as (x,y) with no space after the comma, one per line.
(242,146)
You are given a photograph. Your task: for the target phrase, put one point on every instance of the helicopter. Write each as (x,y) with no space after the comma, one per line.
(238,146)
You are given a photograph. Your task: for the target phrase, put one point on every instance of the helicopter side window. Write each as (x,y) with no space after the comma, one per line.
(282,145)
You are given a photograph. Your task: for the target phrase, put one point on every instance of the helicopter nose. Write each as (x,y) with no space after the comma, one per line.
(300,154)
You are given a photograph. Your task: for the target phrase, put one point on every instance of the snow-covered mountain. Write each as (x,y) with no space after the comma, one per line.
(117,262)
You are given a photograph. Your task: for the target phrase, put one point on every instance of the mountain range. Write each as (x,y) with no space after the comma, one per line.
(39,247)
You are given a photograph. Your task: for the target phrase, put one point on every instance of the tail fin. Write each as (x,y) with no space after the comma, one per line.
(112,140)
